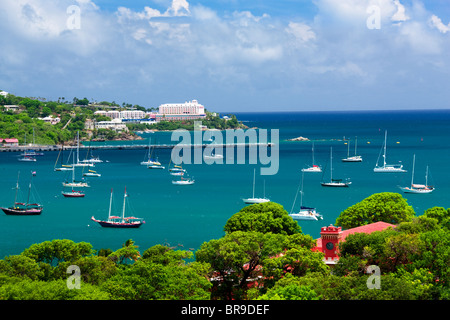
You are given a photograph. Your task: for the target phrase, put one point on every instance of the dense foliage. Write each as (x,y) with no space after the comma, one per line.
(267,259)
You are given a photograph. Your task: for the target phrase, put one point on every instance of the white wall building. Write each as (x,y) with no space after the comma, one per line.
(114,124)
(181,111)
(125,114)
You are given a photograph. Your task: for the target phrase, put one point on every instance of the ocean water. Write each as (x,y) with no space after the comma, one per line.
(187,216)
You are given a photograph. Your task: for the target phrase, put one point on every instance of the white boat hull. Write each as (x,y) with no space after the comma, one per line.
(255,200)
(79,185)
(352,159)
(389,169)
(305,216)
(183,182)
(417,191)
(312,169)
(336,184)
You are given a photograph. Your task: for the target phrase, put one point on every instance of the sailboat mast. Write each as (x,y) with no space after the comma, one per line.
(17,188)
(331,163)
(29,190)
(78,146)
(254,172)
(313,153)
(110,203)
(384,155)
(412,176)
(123,208)
(356,143)
(301,192)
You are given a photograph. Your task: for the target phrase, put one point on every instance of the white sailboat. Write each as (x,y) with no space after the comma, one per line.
(314,167)
(334,182)
(73,183)
(354,158)
(387,167)
(184,181)
(254,200)
(418,188)
(79,163)
(149,161)
(305,213)
(92,173)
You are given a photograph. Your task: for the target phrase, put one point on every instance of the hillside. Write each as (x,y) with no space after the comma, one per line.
(56,122)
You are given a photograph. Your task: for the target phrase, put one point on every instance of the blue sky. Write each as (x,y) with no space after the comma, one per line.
(231,55)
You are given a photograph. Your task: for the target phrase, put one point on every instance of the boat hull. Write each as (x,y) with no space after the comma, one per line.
(416,191)
(73,194)
(255,200)
(336,184)
(22,212)
(312,169)
(122,225)
(389,169)
(352,159)
(182,183)
(305,216)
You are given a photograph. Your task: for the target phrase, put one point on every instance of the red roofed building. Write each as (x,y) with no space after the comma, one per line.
(331,236)
(9,142)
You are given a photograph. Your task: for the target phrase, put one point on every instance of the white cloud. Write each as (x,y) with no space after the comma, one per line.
(301,31)
(185,49)
(436,22)
(400,15)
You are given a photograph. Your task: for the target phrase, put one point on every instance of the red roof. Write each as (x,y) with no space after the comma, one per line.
(13,140)
(368,228)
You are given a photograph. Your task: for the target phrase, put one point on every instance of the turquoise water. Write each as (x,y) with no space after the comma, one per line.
(187,216)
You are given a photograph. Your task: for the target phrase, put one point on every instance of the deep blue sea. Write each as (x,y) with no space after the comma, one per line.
(187,216)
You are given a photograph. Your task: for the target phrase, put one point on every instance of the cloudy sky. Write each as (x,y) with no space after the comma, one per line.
(231,55)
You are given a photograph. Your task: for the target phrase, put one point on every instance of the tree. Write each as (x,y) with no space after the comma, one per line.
(239,257)
(288,288)
(56,251)
(128,251)
(263,217)
(386,206)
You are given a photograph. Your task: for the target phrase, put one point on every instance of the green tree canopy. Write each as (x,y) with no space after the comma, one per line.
(263,217)
(386,206)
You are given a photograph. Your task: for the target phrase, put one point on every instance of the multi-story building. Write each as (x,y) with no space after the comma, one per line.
(181,111)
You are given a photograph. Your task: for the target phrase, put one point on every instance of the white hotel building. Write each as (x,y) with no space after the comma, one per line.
(181,111)
(167,112)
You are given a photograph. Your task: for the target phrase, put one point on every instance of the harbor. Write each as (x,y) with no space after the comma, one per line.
(128,146)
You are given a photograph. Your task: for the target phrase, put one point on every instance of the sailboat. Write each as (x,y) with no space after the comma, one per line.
(387,167)
(354,158)
(149,161)
(418,188)
(91,173)
(184,181)
(73,183)
(314,167)
(334,182)
(23,209)
(73,194)
(79,163)
(117,221)
(305,213)
(254,200)
(63,167)
(29,154)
